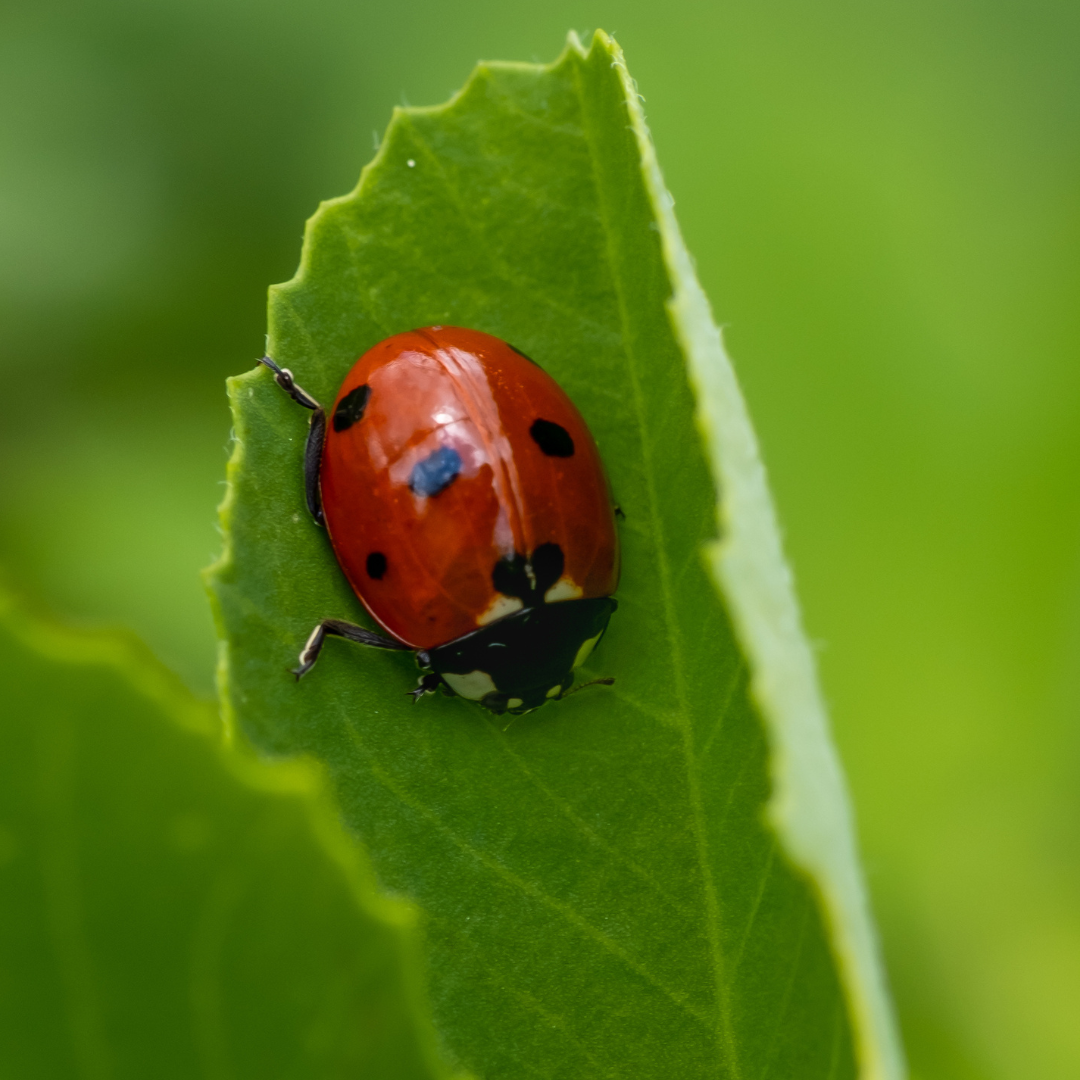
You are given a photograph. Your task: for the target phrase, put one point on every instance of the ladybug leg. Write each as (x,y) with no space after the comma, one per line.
(284,378)
(339,628)
(428,684)
(312,459)
(316,434)
(607,680)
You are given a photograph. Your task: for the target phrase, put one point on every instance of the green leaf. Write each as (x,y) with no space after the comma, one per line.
(602,892)
(169,909)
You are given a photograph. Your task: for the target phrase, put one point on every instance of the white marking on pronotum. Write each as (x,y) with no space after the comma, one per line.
(515,703)
(586,648)
(473,686)
(555,691)
(563,589)
(500,606)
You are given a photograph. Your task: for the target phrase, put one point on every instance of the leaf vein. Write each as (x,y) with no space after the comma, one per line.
(582,826)
(515,880)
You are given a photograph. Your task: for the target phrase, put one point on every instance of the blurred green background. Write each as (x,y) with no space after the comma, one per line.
(884,202)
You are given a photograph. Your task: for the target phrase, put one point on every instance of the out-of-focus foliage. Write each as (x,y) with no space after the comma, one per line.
(883,201)
(169,908)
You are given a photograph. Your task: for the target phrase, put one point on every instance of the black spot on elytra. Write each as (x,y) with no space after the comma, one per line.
(514,348)
(548,565)
(552,438)
(511,576)
(376,565)
(510,579)
(351,408)
(436,472)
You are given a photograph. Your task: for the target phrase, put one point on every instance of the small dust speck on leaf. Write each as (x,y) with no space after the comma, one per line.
(411,163)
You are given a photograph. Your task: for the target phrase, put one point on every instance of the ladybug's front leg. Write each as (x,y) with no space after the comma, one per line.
(427,684)
(316,433)
(339,628)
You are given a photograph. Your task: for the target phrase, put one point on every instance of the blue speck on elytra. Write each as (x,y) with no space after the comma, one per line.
(436,472)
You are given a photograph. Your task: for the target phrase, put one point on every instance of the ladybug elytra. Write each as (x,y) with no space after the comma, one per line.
(468,508)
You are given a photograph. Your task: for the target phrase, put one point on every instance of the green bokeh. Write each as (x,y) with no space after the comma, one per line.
(170,909)
(884,201)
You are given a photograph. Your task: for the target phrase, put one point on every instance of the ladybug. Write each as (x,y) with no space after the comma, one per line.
(468,508)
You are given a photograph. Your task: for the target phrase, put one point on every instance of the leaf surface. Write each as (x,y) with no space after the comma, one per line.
(601,892)
(170,910)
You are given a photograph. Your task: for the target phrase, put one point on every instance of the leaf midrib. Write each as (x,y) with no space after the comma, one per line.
(723,1032)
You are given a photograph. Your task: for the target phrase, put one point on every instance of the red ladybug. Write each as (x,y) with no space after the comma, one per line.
(468,507)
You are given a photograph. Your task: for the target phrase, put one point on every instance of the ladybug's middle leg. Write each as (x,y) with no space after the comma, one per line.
(316,433)
(339,628)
